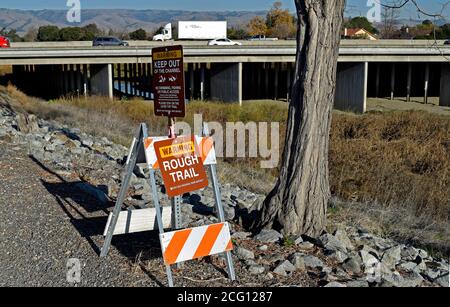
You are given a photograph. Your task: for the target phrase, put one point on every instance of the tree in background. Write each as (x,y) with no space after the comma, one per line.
(280,23)
(237,33)
(139,35)
(71,34)
(92,31)
(11,35)
(31,35)
(257,26)
(389,18)
(443,32)
(361,23)
(48,34)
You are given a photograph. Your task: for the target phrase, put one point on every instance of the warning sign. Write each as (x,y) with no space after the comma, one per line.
(181,165)
(168,81)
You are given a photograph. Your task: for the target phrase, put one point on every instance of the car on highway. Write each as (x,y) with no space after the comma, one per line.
(109,41)
(223,42)
(447,42)
(4,42)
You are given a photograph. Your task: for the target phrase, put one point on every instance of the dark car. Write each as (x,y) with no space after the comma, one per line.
(447,42)
(108,41)
(4,42)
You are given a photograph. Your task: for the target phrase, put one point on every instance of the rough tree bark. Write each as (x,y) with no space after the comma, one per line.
(298,203)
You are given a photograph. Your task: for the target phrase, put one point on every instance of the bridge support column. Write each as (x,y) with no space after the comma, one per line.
(408,83)
(102,80)
(444,99)
(226,82)
(427,81)
(202,82)
(351,87)
(393,81)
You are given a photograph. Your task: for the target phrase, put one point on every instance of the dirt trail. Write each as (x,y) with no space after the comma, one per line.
(46,221)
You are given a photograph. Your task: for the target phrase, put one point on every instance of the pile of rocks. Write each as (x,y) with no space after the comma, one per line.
(348,257)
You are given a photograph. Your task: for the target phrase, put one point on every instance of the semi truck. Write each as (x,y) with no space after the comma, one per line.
(194,30)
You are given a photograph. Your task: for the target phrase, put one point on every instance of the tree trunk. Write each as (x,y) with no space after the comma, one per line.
(298,203)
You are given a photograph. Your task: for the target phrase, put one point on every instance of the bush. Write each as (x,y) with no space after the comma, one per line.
(72,34)
(139,35)
(48,34)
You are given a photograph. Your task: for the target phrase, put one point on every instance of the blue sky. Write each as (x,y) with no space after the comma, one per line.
(355,7)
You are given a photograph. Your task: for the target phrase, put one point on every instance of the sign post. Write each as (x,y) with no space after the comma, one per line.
(169,98)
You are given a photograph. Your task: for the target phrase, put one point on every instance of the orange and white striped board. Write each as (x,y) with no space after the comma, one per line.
(193,243)
(205,145)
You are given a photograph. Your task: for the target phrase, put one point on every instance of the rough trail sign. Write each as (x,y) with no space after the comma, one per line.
(168,81)
(181,165)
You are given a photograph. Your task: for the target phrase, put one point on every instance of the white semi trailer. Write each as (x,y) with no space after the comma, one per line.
(195,30)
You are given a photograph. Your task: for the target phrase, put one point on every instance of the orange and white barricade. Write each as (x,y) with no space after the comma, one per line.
(188,244)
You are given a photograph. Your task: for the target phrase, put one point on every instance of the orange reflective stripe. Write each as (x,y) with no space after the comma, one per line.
(176,245)
(209,238)
(148,142)
(206,145)
(229,246)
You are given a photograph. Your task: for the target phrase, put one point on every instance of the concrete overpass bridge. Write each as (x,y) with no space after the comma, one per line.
(232,74)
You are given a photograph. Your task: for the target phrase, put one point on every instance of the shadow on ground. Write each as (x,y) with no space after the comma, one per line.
(81,208)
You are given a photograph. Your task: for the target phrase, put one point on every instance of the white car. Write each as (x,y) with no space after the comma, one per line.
(223,42)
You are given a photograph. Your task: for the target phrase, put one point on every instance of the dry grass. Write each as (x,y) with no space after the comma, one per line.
(5,69)
(392,170)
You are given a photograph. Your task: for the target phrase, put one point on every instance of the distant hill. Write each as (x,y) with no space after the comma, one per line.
(117,19)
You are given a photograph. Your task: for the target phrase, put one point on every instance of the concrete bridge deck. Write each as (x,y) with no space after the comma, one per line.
(204,54)
(255,70)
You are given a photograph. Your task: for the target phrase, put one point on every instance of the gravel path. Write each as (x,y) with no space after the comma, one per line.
(45,222)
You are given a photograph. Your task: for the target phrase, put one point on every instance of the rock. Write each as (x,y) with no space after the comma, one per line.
(357,284)
(313,262)
(409,253)
(284,268)
(256,269)
(368,258)
(268,236)
(335,284)
(298,261)
(353,265)
(298,241)
(306,246)
(230,213)
(263,248)
(331,243)
(432,274)
(271,259)
(140,170)
(243,254)
(423,254)
(392,257)
(342,237)
(339,256)
(27,123)
(443,281)
(413,267)
(93,191)
(241,235)
(412,280)
(392,279)
(269,276)
(371,265)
